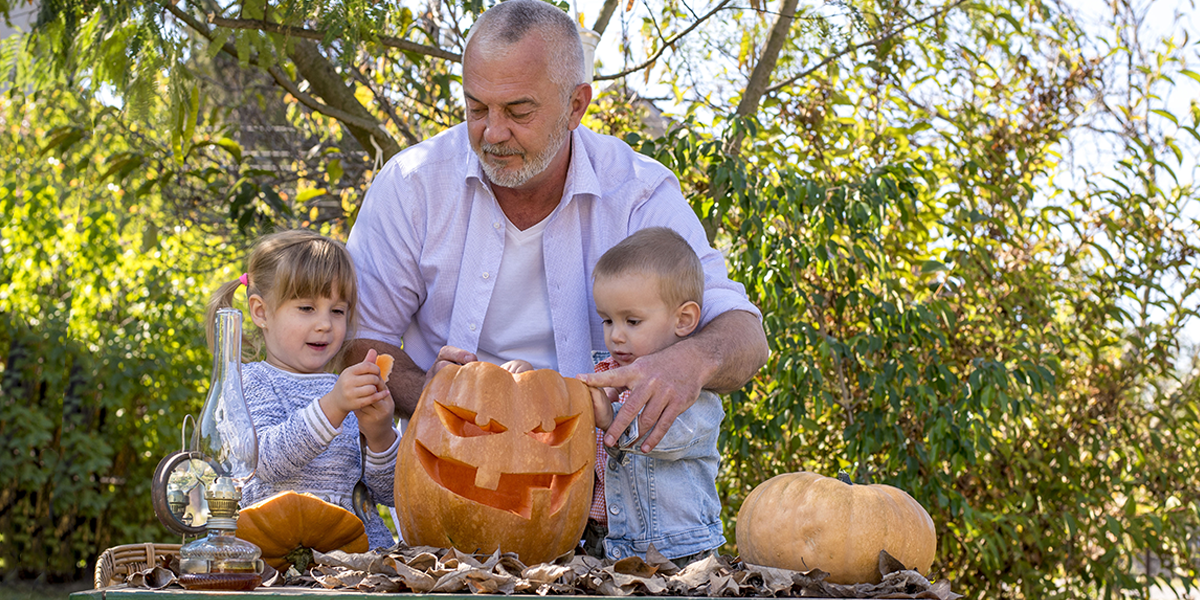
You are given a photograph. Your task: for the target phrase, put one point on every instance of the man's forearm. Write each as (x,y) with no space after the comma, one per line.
(732,348)
(406,381)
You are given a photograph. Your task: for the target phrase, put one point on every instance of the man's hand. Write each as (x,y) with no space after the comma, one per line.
(722,357)
(449,355)
(662,385)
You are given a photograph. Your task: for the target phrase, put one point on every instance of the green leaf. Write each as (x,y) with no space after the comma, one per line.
(333,171)
(932,266)
(1162,113)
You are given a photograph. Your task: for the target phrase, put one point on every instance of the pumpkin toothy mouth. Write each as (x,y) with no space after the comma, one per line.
(514,492)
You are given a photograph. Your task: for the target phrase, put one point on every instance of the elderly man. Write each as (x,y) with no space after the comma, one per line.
(478,244)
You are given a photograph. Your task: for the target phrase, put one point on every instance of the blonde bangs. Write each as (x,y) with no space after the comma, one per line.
(318,269)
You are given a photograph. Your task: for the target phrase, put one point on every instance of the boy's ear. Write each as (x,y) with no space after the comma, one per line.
(687,318)
(258,310)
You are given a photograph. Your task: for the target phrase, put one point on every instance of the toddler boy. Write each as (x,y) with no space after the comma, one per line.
(648,290)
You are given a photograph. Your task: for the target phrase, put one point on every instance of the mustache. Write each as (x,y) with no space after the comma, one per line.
(499,149)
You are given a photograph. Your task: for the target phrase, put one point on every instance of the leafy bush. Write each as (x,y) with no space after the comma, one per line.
(101,346)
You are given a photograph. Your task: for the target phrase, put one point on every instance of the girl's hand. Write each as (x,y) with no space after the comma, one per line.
(375,422)
(358,386)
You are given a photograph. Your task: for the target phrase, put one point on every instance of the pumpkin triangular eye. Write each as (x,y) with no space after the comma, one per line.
(564,428)
(461,422)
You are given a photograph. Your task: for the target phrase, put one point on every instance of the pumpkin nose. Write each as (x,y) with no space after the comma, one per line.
(487,478)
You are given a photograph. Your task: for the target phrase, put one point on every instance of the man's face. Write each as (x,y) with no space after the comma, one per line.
(518,119)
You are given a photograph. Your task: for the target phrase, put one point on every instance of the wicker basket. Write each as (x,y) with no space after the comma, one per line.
(118,562)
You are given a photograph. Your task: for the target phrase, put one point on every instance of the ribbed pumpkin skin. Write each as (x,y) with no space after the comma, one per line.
(803,521)
(493,441)
(289,520)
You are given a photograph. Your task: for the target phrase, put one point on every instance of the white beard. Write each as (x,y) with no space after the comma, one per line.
(531,166)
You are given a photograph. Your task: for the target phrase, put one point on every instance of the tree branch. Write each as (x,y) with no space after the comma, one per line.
(387,107)
(669,43)
(848,49)
(327,83)
(363,124)
(312,34)
(760,77)
(606,13)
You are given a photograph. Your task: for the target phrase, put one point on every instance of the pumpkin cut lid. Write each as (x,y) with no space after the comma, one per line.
(290,521)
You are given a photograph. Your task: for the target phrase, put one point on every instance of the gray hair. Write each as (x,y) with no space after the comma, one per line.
(510,21)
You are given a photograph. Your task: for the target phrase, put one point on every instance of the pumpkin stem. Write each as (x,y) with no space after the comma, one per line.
(844,477)
(301,558)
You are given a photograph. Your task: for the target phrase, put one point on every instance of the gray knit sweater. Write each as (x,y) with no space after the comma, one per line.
(299,450)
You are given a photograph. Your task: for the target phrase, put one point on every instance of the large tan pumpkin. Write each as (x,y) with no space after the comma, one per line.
(289,521)
(495,460)
(803,521)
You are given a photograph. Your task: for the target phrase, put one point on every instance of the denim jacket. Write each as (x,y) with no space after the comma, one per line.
(667,497)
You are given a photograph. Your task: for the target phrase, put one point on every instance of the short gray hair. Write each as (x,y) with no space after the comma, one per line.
(510,21)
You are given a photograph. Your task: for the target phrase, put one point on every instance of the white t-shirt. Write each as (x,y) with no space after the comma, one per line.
(517,325)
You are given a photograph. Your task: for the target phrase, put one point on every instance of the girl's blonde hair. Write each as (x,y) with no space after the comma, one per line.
(287,265)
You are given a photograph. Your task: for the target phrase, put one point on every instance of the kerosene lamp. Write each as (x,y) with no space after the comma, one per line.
(197,491)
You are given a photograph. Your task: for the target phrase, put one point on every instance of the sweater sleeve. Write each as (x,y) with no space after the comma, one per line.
(287,441)
(381,473)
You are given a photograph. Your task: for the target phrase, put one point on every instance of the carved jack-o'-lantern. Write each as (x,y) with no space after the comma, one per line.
(495,460)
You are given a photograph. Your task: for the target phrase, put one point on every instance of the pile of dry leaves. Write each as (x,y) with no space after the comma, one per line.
(434,570)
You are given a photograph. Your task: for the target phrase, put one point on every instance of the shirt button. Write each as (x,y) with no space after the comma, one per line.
(616,510)
(471,327)
(496,225)
(485,275)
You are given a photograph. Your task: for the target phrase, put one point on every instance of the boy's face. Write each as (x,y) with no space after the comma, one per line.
(637,321)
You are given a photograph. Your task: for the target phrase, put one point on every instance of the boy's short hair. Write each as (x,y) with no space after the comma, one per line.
(663,253)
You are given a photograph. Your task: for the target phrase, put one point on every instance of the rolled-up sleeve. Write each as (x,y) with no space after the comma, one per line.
(385,244)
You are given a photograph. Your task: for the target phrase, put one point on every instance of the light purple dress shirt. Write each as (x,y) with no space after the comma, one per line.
(429,237)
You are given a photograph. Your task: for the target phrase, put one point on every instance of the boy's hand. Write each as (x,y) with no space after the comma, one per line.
(358,386)
(602,401)
(516,366)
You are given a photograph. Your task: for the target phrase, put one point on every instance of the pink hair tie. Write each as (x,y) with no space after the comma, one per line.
(245,279)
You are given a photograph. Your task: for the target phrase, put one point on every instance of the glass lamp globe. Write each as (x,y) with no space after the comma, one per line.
(224,440)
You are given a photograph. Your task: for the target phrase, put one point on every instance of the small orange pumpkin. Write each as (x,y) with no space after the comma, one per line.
(289,521)
(496,460)
(803,521)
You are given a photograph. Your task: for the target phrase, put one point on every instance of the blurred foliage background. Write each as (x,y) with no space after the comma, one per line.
(972,227)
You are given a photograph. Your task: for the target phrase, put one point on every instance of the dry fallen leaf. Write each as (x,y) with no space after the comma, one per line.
(433,570)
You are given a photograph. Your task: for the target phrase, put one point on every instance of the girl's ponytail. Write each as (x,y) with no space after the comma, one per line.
(222,298)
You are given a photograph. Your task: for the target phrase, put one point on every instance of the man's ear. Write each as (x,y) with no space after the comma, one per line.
(258,310)
(687,318)
(580,98)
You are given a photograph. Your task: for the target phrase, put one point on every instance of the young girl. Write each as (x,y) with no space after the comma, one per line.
(301,294)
